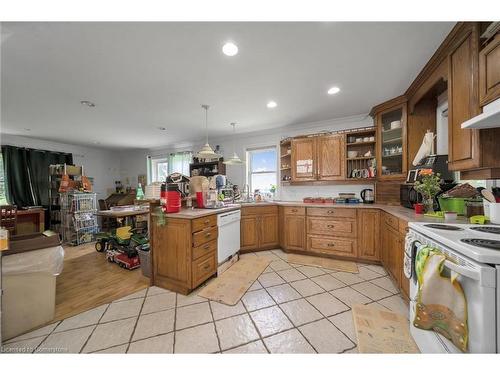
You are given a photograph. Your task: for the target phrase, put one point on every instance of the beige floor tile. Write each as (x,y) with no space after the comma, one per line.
(375,268)
(268,255)
(235,331)
(367,274)
(157,344)
(192,315)
(327,304)
(350,296)
(270,279)
(270,320)
(279,253)
(396,304)
(325,337)
(348,278)
(291,274)
(280,265)
(155,290)
(120,349)
(256,347)
(222,311)
(66,342)
(371,290)
(157,302)
(139,294)
(200,339)
(378,306)
(189,299)
(283,293)
(110,334)
(257,299)
(300,311)
(288,342)
(328,282)
(267,270)
(83,319)
(44,331)
(306,287)
(310,271)
(255,286)
(386,283)
(154,324)
(247,255)
(122,310)
(345,323)
(22,346)
(352,351)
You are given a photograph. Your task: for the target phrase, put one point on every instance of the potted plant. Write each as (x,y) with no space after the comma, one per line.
(429,185)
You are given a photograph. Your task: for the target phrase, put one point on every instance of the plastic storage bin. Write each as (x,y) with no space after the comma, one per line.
(452,204)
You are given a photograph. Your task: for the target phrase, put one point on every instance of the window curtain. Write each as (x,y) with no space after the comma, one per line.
(179,162)
(27,174)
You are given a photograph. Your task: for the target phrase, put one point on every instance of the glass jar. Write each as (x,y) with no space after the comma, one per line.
(474,207)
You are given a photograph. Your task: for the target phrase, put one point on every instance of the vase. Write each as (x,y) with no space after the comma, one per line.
(429,205)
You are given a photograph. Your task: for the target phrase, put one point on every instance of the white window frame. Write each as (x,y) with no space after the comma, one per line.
(153,167)
(188,158)
(249,165)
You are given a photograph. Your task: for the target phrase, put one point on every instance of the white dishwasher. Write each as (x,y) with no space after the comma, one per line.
(228,242)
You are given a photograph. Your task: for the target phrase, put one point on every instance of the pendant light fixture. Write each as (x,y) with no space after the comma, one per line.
(206,151)
(235,159)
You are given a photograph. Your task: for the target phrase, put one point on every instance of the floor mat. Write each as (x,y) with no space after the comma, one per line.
(229,287)
(331,264)
(381,331)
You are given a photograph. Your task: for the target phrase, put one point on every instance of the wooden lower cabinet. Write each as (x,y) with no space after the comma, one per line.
(259,228)
(369,234)
(294,232)
(184,252)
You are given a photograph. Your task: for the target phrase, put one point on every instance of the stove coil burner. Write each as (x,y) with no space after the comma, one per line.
(492,230)
(481,242)
(442,227)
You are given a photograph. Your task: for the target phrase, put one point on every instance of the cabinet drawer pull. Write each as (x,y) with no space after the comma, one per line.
(331,245)
(208,234)
(206,222)
(206,247)
(294,210)
(207,266)
(329,212)
(330,226)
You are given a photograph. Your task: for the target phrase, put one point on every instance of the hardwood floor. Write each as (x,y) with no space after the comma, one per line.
(88,280)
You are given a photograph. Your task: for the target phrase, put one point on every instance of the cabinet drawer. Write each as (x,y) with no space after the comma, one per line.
(332,245)
(391,221)
(294,211)
(403,227)
(204,249)
(203,268)
(259,210)
(331,227)
(332,212)
(204,236)
(203,223)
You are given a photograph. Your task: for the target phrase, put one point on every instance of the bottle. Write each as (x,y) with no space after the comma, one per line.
(139,195)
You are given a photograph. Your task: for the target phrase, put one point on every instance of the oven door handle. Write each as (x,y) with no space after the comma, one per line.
(462,270)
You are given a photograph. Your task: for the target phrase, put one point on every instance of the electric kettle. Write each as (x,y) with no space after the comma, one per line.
(367,196)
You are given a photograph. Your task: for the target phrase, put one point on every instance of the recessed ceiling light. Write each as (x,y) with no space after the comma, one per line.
(162,128)
(333,90)
(230,49)
(272,104)
(87,103)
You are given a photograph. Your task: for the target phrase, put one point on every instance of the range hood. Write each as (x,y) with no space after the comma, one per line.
(490,118)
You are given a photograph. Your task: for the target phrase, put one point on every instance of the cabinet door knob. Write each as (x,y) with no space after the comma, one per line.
(294,210)
(208,234)
(329,212)
(207,266)
(330,226)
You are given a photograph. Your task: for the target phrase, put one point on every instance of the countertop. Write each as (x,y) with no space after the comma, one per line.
(398,211)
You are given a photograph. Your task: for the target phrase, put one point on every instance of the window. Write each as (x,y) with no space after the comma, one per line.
(262,169)
(159,169)
(3,196)
(179,162)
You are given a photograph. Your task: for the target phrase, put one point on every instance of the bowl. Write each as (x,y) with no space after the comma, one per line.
(352,154)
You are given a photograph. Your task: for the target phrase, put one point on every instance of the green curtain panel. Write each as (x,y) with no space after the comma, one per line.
(27,174)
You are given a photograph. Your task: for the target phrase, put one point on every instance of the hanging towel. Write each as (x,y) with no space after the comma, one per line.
(441,304)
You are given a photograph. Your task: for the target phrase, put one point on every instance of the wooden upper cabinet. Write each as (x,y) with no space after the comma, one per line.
(390,119)
(489,72)
(463,100)
(369,234)
(304,159)
(331,157)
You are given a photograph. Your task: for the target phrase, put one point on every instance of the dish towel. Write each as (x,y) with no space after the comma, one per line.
(441,304)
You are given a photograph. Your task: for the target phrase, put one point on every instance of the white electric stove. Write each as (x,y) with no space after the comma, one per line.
(472,252)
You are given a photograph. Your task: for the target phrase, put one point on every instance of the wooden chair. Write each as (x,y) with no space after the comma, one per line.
(8,218)
(107,223)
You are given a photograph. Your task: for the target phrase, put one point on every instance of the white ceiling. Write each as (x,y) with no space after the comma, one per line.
(148,75)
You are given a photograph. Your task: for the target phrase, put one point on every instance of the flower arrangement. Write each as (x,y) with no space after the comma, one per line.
(429,185)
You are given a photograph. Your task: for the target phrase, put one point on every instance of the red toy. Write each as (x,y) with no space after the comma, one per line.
(123,260)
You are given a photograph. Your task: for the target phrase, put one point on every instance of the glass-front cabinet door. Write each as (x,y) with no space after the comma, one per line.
(391,125)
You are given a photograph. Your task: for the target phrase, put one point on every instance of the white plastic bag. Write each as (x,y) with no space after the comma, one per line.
(45,260)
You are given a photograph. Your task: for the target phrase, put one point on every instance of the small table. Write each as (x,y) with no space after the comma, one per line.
(119,215)
(30,221)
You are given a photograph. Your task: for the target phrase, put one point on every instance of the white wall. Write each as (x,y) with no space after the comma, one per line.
(134,163)
(102,165)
